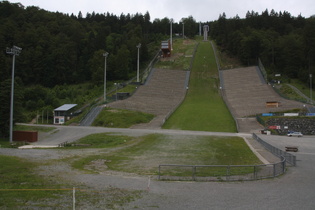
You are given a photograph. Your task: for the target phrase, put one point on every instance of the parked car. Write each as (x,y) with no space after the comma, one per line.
(296,134)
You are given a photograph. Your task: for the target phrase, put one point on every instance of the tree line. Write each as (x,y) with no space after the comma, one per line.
(284,43)
(61,49)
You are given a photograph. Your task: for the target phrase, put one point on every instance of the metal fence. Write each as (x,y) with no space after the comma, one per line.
(262,69)
(221,172)
(289,158)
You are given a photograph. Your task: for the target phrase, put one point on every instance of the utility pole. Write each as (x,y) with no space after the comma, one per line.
(12,51)
(105,55)
(171,33)
(183,30)
(311,94)
(138,72)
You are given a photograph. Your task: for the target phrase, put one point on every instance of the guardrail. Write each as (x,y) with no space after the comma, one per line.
(221,172)
(289,158)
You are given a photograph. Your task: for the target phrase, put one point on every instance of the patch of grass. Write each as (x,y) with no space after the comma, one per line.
(21,188)
(203,108)
(154,149)
(17,175)
(290,93)
(303,87)
(103,140)
(120,118)
(181,55)
(130,88)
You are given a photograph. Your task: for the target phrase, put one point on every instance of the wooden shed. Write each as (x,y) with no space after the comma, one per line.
(166,48)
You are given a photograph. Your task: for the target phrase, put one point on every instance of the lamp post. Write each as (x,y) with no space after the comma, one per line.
(171,33)
(116,84)
(12,51)
(138,46)
(183,30)
(311,89)
(105,55)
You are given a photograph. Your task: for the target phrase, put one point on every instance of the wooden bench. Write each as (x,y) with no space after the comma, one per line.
(291,149)
(272,104)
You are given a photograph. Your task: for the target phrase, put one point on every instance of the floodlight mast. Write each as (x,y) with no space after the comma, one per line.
(12,51)
(311,97)
(105,55)
(171,33)
(138,64)
(183,30)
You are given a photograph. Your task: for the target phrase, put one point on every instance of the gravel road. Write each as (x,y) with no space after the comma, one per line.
(293,190)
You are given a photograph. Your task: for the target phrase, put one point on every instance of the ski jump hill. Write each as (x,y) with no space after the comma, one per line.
(162,93)
(246,94)
(244,90)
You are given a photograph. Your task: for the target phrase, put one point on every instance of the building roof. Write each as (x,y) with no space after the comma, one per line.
(65,107)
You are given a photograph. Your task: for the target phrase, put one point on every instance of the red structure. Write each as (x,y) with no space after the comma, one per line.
(28,136)
(166,48)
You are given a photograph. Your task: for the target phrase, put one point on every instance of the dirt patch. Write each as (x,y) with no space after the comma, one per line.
(188,42)
(113,110)
(97,165)
(173,57)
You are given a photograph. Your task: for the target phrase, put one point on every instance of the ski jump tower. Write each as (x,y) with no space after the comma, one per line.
(205,32)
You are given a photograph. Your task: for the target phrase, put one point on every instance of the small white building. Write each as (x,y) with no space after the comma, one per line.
(63,113)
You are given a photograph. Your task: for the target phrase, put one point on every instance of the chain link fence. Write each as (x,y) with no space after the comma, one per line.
(221,172)
(229,172)
(289,158)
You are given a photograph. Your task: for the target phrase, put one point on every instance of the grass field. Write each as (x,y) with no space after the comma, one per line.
(142,155)
(119,118)
(203,108)
(16,177)
(22,188)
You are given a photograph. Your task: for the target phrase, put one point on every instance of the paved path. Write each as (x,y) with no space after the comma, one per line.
(88,120)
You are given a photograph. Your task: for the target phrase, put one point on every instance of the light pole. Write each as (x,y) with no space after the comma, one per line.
(116,84)
(311,88)
(183,30)
(105,55)
(138,46)
(12,51)
(171,33)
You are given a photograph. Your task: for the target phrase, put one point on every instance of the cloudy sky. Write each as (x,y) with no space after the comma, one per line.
(201,10)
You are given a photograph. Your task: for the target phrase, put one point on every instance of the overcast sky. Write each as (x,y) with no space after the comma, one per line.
(201,10)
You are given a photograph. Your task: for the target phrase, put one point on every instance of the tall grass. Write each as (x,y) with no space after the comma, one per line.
(203,108)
